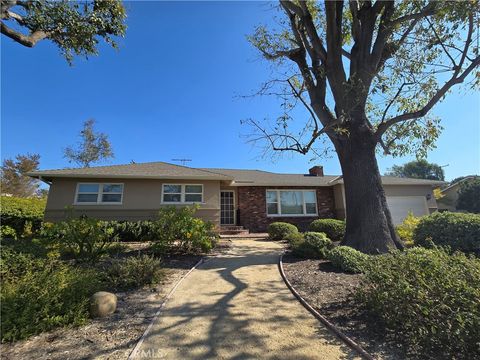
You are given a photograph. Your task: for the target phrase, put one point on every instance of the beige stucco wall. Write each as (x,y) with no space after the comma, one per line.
(390,190)
(141,199)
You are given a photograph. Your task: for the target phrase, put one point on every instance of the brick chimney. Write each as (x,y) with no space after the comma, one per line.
(316,171)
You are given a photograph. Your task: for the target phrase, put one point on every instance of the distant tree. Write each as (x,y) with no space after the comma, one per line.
(13,178)
(74,26)
(93,147)
(469,196)
(419,169)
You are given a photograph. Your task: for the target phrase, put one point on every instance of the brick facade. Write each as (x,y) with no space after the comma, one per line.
(252,207)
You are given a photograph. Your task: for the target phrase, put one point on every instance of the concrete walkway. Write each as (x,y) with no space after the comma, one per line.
(236,306)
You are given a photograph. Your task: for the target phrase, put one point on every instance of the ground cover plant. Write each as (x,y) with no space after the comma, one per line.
(427,300)
(348,259)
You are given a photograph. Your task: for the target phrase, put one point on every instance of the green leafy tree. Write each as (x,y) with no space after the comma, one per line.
(74,26)
(364,75)
(93,147)
(14,180)
(419,169)
(469,196)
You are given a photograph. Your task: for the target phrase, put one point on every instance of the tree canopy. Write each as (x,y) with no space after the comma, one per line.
(14,180)
(419,169)
(469,196)
(383,63)
(93,147)
(74,26)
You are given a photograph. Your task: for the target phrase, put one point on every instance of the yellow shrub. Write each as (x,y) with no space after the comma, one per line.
(406,228)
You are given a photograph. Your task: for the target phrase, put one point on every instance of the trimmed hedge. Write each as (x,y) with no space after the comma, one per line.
(426,299)
(335,229)
(281,230)
(312,245)
(25,215)
(457,230)
(348,259)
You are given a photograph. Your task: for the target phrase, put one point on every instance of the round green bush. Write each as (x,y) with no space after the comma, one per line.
(335,229)
(281,230)
(426,299)
(313,245)
(348,259)
(8,232)
(457,230)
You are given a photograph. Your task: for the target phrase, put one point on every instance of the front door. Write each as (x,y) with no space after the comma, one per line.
(227,207)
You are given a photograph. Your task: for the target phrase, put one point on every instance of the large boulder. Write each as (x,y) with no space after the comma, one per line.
(102,303)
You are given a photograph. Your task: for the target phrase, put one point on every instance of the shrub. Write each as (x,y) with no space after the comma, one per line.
(133,230)
(313,245)
(8,232)
(426,299)
(406,228)
(134,272)
(348,259)
(82,238)
(40,294)
(335,229)
(281,230)
(457,230)
(469,196)
(23,215)
(178,229)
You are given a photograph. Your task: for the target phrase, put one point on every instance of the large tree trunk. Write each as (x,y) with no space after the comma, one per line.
(369,224)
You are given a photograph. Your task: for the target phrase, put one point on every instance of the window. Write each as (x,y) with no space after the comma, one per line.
(291,202)
(175,193)
(91,193)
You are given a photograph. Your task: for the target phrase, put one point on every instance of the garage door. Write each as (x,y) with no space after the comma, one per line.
(401,205)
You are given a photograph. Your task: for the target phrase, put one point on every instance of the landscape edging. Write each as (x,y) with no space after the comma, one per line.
(162,305)
(352,344)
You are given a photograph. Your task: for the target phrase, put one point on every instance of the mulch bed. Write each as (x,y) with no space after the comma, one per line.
(330,292)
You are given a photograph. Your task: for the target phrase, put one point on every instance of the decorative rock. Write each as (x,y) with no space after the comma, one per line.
(102,303)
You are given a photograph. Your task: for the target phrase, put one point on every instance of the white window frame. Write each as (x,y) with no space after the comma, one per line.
(99,194)
(279,207)
(182,194)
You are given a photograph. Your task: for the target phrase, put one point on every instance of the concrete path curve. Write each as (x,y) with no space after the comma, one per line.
(236,306)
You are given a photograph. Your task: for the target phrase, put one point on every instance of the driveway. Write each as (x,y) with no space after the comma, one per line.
(236,306)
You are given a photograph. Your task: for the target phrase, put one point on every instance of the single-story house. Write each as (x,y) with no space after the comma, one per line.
(227,197)
(450,194)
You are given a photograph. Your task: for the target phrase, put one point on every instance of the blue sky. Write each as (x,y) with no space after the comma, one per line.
(171,91)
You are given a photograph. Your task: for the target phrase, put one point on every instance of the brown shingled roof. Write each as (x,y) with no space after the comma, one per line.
(152,170)
(240,177)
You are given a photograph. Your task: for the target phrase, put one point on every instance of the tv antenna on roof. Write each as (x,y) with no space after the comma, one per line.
(183,161)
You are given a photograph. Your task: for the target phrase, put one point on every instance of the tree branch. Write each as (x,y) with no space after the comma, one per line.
(26,40)
(455,79)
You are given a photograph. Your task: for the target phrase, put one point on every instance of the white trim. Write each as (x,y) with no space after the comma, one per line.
(99,194)
(182,195)
(234,208)
(279,208)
